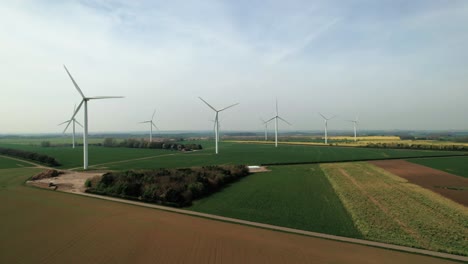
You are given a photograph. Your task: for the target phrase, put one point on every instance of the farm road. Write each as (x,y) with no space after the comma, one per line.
(34,165)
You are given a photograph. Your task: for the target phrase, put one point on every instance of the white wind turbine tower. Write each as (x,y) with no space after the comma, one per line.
(326,126)
(85,102)
(265,123)
(217,121)
(214,128)
(355,123)
(151,125)
(276,123)
(73,126)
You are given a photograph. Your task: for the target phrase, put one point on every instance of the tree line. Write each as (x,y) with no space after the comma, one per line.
(174,187)
(28,155)
(141,143)
(418,146)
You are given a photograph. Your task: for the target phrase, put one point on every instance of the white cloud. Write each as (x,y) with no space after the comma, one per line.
(164,54)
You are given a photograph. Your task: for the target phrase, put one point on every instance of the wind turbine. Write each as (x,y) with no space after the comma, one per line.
(214,128)
(85,102)
(276,123)
(217,120)
(265,123)
(74,121)
(151,125)
(355,122)
(326,126)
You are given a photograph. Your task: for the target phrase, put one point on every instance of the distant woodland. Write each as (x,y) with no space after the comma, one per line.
(141,143)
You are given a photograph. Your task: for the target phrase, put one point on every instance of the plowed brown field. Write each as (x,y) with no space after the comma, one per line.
(40,226)
(446,184)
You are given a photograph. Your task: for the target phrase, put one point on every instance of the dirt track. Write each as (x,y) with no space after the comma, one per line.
(441,182)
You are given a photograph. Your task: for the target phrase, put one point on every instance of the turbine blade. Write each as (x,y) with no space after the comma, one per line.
(63,122)
(79,124)
(228,107)
(263,121)
(208,104)
(154,125)
(332,117)
(152,117)
(74,114)
(322,116)
(270,119)
(285,121)
(104,97)
(74,83)
(144,122)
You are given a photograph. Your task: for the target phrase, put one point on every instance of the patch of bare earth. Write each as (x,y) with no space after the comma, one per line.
(446,184)
(254,169)
(68,181)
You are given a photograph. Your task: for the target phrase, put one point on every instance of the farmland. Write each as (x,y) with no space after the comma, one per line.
(388,208)
(446,184)
(236,153)
(71,158)
(87,230)
(453,165)
(292,196)
(7,163)
(303,196)
(230,153)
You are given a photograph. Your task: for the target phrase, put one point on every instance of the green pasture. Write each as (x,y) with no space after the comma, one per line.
(255,154)
(453,165)
(7,163)
(73,158)
(230,153)
(297,196)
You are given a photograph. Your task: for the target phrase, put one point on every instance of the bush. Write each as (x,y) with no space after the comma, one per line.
(45,144)
(177,187)
(88,183)
(41,158)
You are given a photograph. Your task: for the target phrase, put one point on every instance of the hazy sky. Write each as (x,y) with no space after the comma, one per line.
(398,64)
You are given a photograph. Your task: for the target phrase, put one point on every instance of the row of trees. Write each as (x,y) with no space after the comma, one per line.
(418,146)
(141,143)
(41,158)
(175,187)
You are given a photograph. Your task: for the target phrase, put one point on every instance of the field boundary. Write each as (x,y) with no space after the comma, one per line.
(285,229)
(361,160)
(26,161)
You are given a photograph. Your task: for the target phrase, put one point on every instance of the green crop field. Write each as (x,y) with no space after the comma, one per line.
(454,165)
(254,154)
(72,158)
(230,153)
(387,208)
(7,163)
(298,196)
